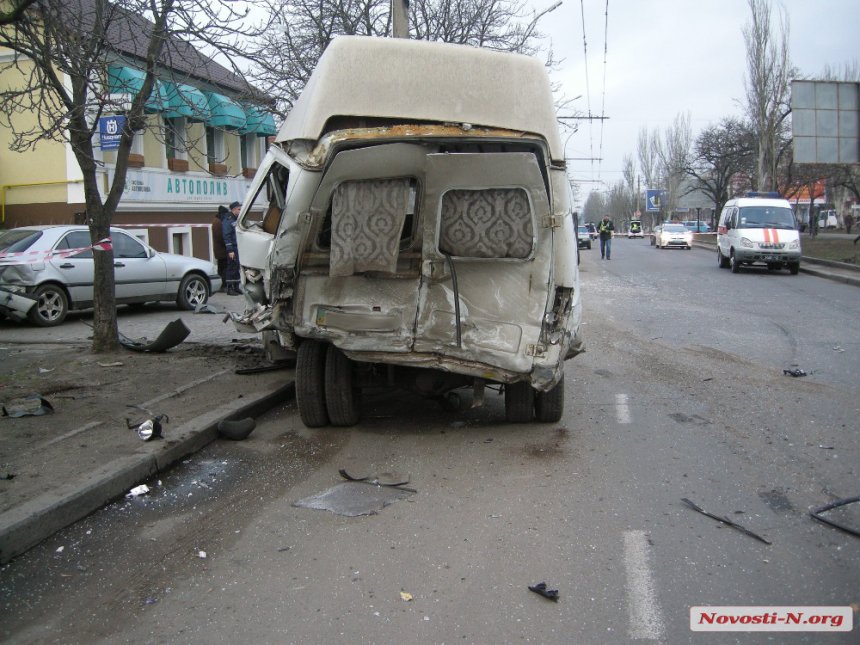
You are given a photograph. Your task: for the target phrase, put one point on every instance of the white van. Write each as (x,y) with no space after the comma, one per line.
(417,233)
(758,229)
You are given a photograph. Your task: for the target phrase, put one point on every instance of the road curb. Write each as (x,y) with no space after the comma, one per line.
(23,527)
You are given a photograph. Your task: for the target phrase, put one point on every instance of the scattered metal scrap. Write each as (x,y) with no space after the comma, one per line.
(173,334)
(149,428)
(359,495)
(726,521)
(816,514)
(209,308)
(383,479)
(29,406)
(541,590)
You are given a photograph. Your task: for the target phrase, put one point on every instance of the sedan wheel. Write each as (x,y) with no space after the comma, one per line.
(193,292)
(51,306)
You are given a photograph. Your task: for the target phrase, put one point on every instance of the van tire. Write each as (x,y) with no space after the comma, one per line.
(794,268)
(341,395)
(722,260)
(519,402)
(733,261)
(549,406)
(310,383)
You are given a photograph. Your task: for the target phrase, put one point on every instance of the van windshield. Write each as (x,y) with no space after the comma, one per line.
(766,217)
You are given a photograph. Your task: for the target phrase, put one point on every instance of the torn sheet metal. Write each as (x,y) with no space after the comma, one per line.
(173,334)
(818,514)
(28,406)
(15,306)
(354,498)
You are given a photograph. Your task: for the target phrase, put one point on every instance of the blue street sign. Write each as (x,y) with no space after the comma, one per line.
(110,131)
(654,199)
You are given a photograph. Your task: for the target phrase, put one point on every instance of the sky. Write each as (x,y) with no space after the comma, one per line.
(651,60)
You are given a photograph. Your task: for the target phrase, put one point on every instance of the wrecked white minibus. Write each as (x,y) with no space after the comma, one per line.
(416,231)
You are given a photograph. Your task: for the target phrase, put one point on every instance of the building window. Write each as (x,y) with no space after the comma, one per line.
(215,151)
(174,144)
(179,240)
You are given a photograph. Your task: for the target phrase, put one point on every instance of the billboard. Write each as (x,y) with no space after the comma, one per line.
(654,199)
(825,121)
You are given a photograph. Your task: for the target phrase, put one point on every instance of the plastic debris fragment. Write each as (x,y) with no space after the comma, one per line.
(541,589)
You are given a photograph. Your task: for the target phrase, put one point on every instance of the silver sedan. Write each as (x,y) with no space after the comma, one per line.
(47,271)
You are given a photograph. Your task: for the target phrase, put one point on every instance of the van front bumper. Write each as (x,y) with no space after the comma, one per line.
(767,256)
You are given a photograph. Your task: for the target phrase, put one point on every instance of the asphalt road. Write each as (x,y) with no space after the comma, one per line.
(681,394)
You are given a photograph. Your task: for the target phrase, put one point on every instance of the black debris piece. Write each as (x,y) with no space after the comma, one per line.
(382,479)
(236,430)
(796,372)
(173,334)
(816,514)
(541,590)
(726,521)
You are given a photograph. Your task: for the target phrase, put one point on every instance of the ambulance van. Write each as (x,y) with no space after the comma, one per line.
(416,231)
(758,229)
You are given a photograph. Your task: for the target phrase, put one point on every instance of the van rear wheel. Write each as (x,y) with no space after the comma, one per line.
(519,402)
(341,395)
(549,406)
(794,268)
(310,383)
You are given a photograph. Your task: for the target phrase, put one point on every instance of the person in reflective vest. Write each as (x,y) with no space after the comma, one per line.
(605,229)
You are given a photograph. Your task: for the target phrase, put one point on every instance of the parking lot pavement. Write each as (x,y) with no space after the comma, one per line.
(57,468)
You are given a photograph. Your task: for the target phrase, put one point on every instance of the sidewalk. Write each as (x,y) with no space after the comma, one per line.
(58,468)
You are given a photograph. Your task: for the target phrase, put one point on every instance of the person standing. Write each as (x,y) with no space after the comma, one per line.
(605,229)
(219,251)
(229,231)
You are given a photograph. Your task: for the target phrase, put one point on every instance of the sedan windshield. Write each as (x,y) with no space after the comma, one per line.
(766,217)
(674,228)
(16,240)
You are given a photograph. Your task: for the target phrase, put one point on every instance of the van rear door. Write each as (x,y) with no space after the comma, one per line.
(487,259)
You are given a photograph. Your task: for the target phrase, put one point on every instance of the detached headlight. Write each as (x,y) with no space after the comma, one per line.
(746,243)
(795,244)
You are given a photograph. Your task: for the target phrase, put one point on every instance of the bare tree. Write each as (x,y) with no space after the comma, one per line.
(768,88)
(628,172)
(720,153)
(8,16)
(673,151)
(646,152)
(303,29)
(62,50)
(595,207)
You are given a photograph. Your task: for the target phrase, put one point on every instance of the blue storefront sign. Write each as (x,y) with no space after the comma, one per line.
(654,199)
(110,131)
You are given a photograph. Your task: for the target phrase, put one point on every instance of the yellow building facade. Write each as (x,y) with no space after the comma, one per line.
(200,149)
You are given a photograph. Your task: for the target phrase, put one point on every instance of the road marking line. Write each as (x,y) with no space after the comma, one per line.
(646,617)
(622,410)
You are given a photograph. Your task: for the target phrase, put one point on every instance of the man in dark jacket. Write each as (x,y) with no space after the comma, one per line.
(219,251)
(229,230)
(605,229)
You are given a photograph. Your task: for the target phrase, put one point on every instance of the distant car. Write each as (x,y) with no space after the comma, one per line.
(592,230)
(53,265)
(635,229)
(584,237)
(698,227)
(673,235)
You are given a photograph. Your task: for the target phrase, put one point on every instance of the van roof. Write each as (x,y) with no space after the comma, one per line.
(365,76)
(758,201)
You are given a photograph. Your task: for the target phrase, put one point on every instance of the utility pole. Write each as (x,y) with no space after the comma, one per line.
(400,18)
